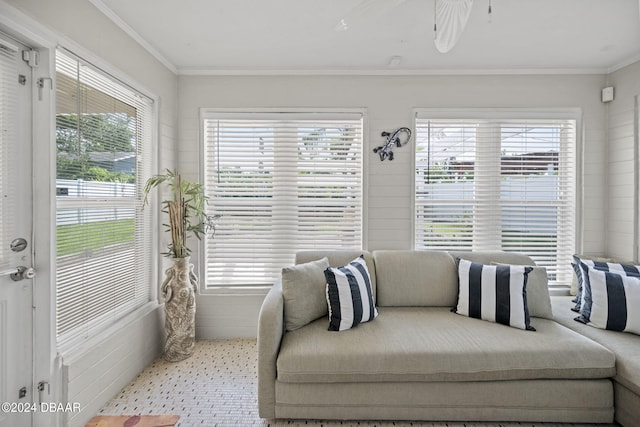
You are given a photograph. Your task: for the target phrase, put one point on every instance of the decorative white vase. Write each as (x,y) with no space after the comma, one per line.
(178,289)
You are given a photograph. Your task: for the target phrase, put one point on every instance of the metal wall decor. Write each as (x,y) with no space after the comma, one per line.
(398,138)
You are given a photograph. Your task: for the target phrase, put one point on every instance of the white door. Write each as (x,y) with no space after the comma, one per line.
(16,287)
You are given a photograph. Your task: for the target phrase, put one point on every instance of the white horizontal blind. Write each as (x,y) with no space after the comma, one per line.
(498,184)
(8,135)
(103,236)
(281,183)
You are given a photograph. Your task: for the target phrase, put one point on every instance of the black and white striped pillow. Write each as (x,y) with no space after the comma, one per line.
(614,300)
(496,293)
(577,259)
(349,295)
(578,272)
(583,305)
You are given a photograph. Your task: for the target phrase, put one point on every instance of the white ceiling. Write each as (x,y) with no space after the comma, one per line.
(298,36)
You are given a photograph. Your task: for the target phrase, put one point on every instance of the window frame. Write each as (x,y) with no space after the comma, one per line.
(271,112)
(99,327)
(513,114)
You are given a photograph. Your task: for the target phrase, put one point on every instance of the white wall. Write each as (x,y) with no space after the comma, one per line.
(93,376)
(389,101)
(622,221)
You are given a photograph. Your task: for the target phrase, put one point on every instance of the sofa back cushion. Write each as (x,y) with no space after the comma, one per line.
(415,278)
(340,258)
(496,257)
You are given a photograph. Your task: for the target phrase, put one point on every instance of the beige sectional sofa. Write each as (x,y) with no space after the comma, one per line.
(626,348)
(417,360)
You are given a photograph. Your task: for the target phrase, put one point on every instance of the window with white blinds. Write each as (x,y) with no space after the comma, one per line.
(8,136)
(497,184)
(103,236)
(282,183)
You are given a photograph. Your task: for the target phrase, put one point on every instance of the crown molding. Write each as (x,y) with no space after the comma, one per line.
(621,65)
(195,71)
(133,34)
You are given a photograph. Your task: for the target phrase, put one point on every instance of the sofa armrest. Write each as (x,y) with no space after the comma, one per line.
(270,333)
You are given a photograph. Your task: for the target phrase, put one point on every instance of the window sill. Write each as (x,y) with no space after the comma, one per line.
(236,290)
(76,349)
(559,290)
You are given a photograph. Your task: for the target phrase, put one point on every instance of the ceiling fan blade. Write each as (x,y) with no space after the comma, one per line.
(451,19)
(364,10)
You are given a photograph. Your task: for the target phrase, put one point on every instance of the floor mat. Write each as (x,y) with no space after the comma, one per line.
(133,421)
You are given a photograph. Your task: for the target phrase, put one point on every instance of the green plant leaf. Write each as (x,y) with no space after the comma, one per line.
(190,218)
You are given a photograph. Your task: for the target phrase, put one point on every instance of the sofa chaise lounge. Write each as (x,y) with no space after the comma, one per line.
(626,348)
(417,360)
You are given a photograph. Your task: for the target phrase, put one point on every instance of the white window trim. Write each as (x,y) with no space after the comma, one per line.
(96,61)
(514,113)
(77,347)
(271,112)
(106,68)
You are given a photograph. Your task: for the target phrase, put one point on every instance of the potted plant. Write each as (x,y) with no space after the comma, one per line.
(186,209)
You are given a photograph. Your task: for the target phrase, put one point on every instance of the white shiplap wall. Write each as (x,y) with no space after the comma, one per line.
(94,376)
(389,101)
(622,220)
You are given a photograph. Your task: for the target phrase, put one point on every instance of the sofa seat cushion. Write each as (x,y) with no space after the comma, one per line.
(625,346)
(433,344)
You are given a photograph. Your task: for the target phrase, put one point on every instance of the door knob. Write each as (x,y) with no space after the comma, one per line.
(22,273)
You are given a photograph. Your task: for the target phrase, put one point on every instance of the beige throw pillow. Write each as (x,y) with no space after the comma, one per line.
(538,300)
(304,292)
